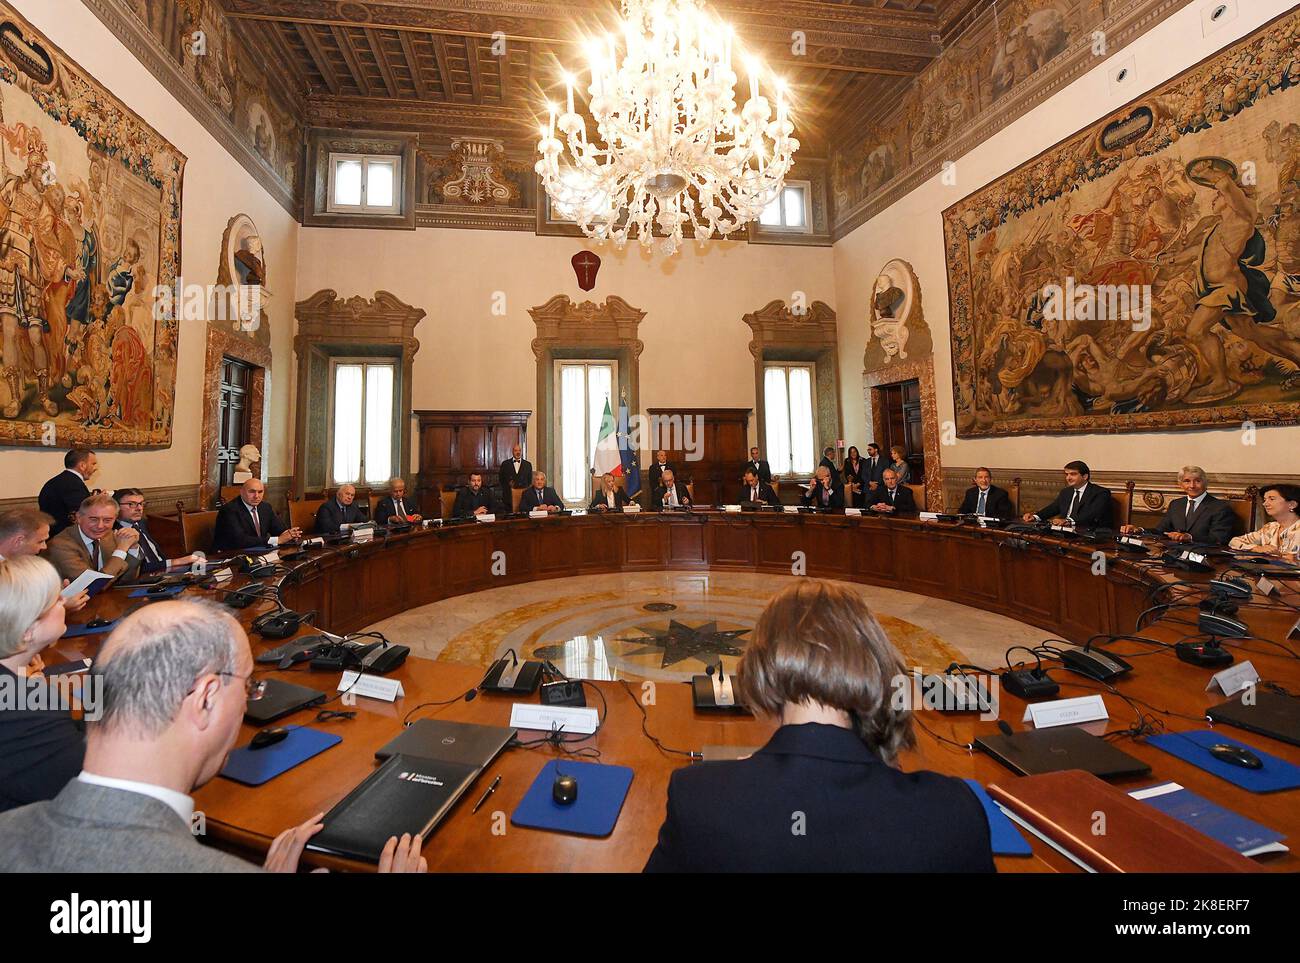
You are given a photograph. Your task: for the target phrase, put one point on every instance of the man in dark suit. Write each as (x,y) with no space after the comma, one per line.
(516,472)
(661,465)
(540,496)
(63,494)
(760,467)
(873,467)
(670,494)
(248,522)
(824,492)
(1196,517)
(474,499)
(891,498)
(338,511)
(985,498)
(131,505)
(757,491)
(1080,502)
(828,462)
(394,508)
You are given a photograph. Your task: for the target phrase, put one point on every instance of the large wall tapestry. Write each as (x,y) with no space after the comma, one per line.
(1144,273)
(90,208)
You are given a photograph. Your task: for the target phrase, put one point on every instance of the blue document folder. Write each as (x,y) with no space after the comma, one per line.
(1234,831)
(1005,838)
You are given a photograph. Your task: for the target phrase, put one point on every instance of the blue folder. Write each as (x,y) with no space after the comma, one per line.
(1194,747)
(601,791)
(1234,831)
(164,592)
(75,631)
(256,766)
(1003,835)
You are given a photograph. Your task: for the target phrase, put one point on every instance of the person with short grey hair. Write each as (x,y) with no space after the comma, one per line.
(176,677)
(1195,517)
(23,531)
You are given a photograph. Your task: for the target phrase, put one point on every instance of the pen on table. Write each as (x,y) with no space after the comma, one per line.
(490,790)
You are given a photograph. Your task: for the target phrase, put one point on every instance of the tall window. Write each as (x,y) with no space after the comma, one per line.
(361,412)
(789,209)
(584,388)
(791,427)
(365,184)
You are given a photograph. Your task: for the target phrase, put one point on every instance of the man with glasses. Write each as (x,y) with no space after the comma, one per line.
(176,679)
(131,504)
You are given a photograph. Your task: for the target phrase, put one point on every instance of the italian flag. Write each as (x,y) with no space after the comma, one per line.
(607,459)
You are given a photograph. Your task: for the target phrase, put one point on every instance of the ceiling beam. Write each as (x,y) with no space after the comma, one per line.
(317,56)
(385,68)
(444,69)
(350,58)
(413,62)
(475,80)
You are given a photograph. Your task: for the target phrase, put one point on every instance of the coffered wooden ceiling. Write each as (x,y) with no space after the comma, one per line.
(429,66)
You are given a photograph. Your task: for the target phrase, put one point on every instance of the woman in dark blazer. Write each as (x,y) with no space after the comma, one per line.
(40,749)
(825,794)
(855,473)
(610,498)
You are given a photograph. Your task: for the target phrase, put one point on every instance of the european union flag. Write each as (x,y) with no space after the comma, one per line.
(631,465)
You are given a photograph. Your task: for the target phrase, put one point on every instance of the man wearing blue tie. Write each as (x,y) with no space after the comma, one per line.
(986,499)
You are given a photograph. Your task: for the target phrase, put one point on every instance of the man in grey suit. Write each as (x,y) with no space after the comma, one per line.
(176,678)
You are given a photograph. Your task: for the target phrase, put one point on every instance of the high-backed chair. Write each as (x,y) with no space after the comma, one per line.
(918,495)
(776,487)
(1122,505)
(302,513)
(448,499)
(1013,492)
(372,504)
(515,495)
(196,528)
(690,491)
(229,493)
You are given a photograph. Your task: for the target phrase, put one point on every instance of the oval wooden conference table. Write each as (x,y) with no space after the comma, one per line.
(1040,580)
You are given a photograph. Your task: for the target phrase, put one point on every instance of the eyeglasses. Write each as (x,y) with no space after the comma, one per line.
(254,689)
(132,504)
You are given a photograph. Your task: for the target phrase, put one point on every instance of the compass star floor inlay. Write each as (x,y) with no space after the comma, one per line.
(609,633)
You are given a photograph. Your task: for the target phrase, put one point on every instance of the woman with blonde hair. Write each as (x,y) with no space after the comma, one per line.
(40,748)
(901,468)
(825,794)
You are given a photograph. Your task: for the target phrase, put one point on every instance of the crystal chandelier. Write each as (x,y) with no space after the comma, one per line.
(670,145)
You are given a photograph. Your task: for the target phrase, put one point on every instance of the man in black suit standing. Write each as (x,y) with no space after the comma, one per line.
(62,495)
(756,491)
(891,498)
(540,496)
(985,498)
(824,493)
(661,465)
(761,468)
(828,462)
(248,522)
(474,499)
(1196,517)
(394,508)
(516,472)
(131,514)
(873,467)
(1080,503)
(670,494)
(339,511)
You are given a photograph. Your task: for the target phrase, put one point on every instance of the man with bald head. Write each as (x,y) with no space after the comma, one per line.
(339,511)
(395,508)
(249,522)
(176,677)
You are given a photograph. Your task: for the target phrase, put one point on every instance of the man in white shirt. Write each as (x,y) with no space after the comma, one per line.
(176,679)
(63,494)
(93,544)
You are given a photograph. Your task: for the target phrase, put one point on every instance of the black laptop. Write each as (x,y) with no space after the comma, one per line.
(1273,714)
(1036,751)
(279,699)
(462,742)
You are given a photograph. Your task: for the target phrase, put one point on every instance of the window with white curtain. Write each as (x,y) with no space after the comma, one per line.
(583,389)
(790,419)
(364,184)
(361,416)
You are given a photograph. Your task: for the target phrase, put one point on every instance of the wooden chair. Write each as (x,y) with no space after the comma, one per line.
(776,487)
(1122,505)
(690,491)
(1013,492)
(372,504)
(229,493)
(918,495)
(515,495)
(448,499)
(196,528)
(302,513)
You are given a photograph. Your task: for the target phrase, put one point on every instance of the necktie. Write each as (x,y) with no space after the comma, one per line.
(401,509)
(983,501)
(1074,504)
(147,546)
(753,494)
(826,496)
(95,559)
(1191,510)
(257,527)
(891,495)
(672,496)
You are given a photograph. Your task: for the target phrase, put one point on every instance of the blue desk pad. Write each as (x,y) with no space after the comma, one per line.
(601,791)
(75,631)
(1005,838)
(1193,748)
(166,592)
(253,767)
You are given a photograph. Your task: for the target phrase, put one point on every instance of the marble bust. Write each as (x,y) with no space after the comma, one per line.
(248,457)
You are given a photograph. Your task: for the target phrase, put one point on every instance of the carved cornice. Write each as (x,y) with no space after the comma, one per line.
(777,325)
(135,36)
(383,318)
(613,322)
(1132,20)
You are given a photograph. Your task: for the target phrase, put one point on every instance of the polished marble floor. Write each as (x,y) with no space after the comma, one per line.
(668,626)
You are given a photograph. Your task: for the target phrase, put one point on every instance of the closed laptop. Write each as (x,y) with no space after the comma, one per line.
(1037,751)
(463,742)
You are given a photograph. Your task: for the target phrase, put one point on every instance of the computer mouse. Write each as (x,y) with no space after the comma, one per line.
(1236,756)
(98,622)
(565,790)
(268,737)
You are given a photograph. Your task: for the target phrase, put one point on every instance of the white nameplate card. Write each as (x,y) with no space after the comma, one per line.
(1068,529)
(1196,557)
(486,518)
(223,575)
(1066,712)
(270,558)
(731,508)
(1264,586)
(371,686)
(791,509)
(524,715)
(1130,540)
(576,512)
(539,513)
(983,520)
(852,511)
(362,535)
(929,516)
(430,522)
(631,509)
(1234,678)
